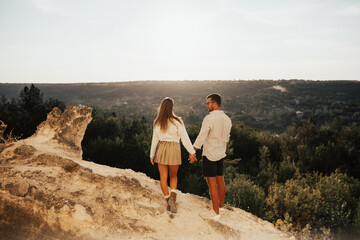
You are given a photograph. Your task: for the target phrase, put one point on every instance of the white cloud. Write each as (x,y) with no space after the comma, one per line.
(48,6)
(279,17)
(351,10)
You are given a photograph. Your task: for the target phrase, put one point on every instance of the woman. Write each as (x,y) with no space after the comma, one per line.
(165,149)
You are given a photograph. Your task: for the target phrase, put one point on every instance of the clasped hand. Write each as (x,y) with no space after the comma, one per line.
(192,158)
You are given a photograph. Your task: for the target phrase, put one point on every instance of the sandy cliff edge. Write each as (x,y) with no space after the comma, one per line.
(48,192)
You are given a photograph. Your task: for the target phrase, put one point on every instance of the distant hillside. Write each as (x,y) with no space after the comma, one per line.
(265,104)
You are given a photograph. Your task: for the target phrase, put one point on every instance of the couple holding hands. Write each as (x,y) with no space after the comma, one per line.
(213,137)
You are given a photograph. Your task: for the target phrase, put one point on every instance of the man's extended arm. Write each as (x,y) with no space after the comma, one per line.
(204,131)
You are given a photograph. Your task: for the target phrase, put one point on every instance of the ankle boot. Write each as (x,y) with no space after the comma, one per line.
(172,202)
(167,203)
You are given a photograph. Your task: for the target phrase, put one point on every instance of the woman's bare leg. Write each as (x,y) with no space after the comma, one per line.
(163,170)
(173,169)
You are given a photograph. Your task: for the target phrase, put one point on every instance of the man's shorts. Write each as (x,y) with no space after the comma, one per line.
(212,169)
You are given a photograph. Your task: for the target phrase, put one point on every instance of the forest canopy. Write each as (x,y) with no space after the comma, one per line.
(305,179)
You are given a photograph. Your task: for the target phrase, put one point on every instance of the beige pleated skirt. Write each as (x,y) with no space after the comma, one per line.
(168,153)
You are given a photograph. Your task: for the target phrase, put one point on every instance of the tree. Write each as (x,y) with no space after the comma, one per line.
(245,144)
(24,114)
(33,109)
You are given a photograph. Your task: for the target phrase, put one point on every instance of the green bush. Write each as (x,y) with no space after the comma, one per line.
(339,195)
(321,201)
(324,149)
(268,172)
(295,198)
(356,224)
(243,193)
(193,183)
(287,170)
(245,144)
(2,130)
(272,142)
(272,172)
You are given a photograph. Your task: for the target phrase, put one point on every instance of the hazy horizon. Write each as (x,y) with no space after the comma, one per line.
(134,81)
(53,41)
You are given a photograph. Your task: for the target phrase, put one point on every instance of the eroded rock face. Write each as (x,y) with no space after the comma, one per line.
(66,129)
(47,196)
(31,167)
(51,197)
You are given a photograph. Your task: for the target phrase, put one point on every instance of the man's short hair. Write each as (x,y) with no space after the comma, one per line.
(216,98)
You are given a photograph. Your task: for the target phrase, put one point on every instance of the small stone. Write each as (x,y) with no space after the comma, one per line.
(17,187)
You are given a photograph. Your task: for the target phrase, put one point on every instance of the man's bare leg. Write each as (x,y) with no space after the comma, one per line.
(222,189)
(214,193)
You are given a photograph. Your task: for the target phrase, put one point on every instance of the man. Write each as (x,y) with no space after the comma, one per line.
(213,136)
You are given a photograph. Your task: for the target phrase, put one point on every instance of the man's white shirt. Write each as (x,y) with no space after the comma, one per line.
(214,135)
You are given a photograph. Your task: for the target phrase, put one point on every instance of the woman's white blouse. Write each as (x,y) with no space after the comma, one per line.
(174,133)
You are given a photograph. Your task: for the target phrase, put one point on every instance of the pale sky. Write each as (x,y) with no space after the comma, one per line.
(48,41)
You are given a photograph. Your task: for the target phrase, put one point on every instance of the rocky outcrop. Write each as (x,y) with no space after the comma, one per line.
(48,192)
(64,130)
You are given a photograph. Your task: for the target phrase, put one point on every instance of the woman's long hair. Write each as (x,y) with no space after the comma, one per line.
(166,114)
